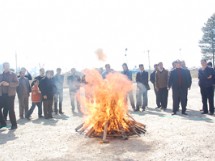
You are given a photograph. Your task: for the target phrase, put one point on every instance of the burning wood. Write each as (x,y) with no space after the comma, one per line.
(107,109)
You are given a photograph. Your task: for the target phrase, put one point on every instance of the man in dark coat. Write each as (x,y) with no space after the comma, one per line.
(152,80)
(47,88)
(142,88)
(179,82)
(206,80)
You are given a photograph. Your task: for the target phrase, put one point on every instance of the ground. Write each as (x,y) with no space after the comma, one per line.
(189,138)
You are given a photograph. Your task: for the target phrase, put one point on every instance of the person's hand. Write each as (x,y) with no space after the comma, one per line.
(45,97)
(5,83)
(210,76)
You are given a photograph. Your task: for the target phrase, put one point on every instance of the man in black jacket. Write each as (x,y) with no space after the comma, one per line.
(47,88)
(179,81)
(152,80)
(206,80)
(142,88)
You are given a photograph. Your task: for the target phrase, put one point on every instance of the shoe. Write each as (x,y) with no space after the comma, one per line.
(2,126)
(163,109)
(184,113)
(211,113)
(28,118)
(204,113)
(40,116)
(174,113)
(13,127)
(61,112)
(137,109)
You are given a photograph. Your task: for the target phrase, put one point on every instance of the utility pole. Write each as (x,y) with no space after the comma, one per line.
(126,55)
(149,62)
(16,61)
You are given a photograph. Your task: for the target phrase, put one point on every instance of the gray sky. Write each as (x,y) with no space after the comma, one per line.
(66,33)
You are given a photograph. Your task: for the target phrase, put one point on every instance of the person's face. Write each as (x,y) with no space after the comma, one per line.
(49,75)
(42,72)
(22,74)
(58,71)
(23,70)
(73,71)
(178,65)
(36,83)
(160,65)
(52,73)
(6,67)
(141,68)
(204,64)
(124,67)
(107,67)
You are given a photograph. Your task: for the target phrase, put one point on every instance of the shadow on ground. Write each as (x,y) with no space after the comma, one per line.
(5,137)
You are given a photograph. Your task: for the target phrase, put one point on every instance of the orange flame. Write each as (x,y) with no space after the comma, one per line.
(105,100)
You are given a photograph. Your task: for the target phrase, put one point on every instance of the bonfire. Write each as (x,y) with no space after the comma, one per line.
(106,107)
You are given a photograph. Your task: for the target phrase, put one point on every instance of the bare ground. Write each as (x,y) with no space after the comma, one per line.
(189,138)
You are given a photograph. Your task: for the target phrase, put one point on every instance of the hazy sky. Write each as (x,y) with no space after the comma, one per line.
(66,33)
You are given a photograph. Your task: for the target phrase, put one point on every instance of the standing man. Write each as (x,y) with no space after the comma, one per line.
(206,80)
(142,88)
(27,74)
(161,84)
(47,88)
(107,71)
(8,84)
(58,97)
(39,78)
(74,82)
(183,65)
(152,79)
(179,82)
(23,92)
(128,73)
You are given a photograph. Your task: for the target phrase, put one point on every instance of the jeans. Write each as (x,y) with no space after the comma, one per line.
(73,98)
(58,97)
(142,96)
(34,104)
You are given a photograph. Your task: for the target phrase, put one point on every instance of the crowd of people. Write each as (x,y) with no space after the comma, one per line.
(47,90)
